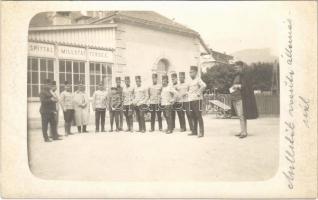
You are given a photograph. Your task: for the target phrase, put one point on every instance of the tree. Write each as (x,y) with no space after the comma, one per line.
(262,76)
(221,77)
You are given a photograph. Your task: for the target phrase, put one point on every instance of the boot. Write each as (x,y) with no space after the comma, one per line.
(84,129)
(79,128)
(66,129)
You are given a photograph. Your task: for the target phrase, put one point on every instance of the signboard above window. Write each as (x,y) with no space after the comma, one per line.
(69,53)
(72,53)
(100,55)
(41,50)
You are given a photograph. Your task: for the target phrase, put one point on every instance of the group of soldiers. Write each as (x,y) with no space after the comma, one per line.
(178,98)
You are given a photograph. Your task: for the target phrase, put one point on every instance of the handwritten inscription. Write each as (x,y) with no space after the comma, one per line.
(289,132)
(290,154)
(289,48)
(304,105)
(289,83)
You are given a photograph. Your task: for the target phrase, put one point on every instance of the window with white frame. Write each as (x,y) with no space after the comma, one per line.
(99,73)
(39,69)
(72,72)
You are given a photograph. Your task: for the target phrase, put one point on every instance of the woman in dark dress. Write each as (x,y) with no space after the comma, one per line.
(243,98)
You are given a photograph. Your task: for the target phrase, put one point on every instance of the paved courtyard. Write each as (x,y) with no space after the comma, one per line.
(219,156)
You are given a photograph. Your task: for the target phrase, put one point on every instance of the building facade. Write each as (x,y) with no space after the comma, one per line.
(213,58)
(99,46)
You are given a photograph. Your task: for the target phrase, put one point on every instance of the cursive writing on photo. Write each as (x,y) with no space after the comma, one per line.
(304,105)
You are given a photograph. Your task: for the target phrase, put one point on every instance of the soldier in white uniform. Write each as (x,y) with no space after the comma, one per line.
(128,96)
(154,101)
(140,102)
(196,88)
(177,106)
(168,95)
(120,92)
(183,89)
(99,106)
(67,104)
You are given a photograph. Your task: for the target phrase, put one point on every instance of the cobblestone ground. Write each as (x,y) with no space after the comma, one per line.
(219,156)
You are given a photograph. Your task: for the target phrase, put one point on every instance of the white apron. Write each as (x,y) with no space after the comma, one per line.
(81,113)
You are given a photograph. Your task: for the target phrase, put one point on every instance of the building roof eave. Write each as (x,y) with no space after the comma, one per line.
(72,26)
(206,48)
(118,17)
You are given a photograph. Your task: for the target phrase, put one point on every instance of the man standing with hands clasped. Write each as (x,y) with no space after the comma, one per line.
(243,98)
(99,106)
(128,96)
(177,105)
(154,101)
(168,95)
(196,88)
(182,89)
(140,101)
(119,90)
(67,104)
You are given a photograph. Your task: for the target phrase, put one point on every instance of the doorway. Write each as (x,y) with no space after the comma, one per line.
(162,68)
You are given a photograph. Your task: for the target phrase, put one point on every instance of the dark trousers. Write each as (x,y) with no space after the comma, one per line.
(68,118)
(196,108)
(68,115)
(49,118)
(128,112)
(114,114)
(121,116)
(186,108)
(100,118)
(167,112)
(178,108)
(140,114)
(155,109)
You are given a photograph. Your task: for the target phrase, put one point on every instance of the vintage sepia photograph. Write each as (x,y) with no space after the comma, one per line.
(138,96)
(158,99)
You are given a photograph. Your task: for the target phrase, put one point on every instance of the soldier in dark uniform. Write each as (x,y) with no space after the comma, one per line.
(53,92)
(154,101)
(120,92)
(177,106)
(48,112)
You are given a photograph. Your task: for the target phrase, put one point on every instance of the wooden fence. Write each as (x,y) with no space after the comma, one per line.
(267,104)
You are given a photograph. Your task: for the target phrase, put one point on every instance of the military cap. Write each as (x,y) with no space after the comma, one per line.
(47,81)
(137,77)
(127,78)
(174,75)
(165,77)
(113,88)
(118,78)
(195,68)
(154,75)
(182,74)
